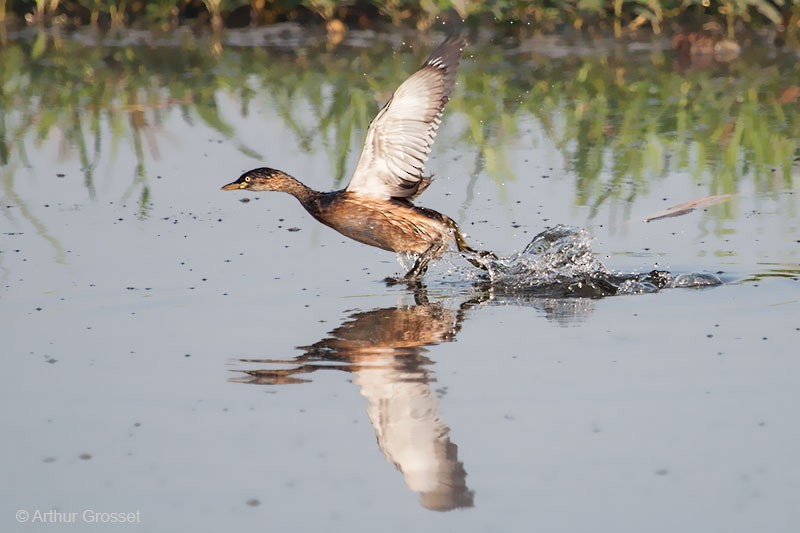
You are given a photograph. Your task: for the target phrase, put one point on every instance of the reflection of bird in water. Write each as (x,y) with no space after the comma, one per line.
(383,349)
(375,208)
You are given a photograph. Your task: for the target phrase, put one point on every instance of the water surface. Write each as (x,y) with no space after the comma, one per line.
(221,364)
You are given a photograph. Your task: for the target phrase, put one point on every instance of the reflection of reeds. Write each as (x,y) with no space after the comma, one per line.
(619,121)
(13,198)
(653,119)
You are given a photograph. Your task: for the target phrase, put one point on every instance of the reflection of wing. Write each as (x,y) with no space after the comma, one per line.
(404,412)
(399,139)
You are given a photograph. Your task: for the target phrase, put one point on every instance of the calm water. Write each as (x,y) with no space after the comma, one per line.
(216,364)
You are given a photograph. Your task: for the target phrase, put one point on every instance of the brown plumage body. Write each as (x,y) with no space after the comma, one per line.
(376,207)
(395,225)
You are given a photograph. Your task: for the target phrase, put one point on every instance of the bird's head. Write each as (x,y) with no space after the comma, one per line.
(258,179)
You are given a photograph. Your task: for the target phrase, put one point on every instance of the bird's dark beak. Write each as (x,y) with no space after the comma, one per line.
(235,186)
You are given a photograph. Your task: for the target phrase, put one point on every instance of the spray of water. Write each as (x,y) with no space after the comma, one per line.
(559,262)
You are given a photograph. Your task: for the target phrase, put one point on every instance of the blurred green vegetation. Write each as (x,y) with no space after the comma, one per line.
(621,119)
(537,15)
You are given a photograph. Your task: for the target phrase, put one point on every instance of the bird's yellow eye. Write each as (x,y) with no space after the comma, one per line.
(247,179)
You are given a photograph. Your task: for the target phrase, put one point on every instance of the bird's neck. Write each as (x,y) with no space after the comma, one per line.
(306,195)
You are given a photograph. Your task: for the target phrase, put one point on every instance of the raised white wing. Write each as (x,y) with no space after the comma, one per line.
(399,138)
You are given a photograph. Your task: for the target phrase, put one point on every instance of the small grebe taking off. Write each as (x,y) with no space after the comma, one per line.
(375,208)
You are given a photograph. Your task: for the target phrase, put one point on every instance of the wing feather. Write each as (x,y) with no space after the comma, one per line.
(400,137)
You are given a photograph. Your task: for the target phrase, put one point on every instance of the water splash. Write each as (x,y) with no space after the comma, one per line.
(559,262)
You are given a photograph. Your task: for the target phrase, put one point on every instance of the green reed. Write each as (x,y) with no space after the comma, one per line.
(620,15)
